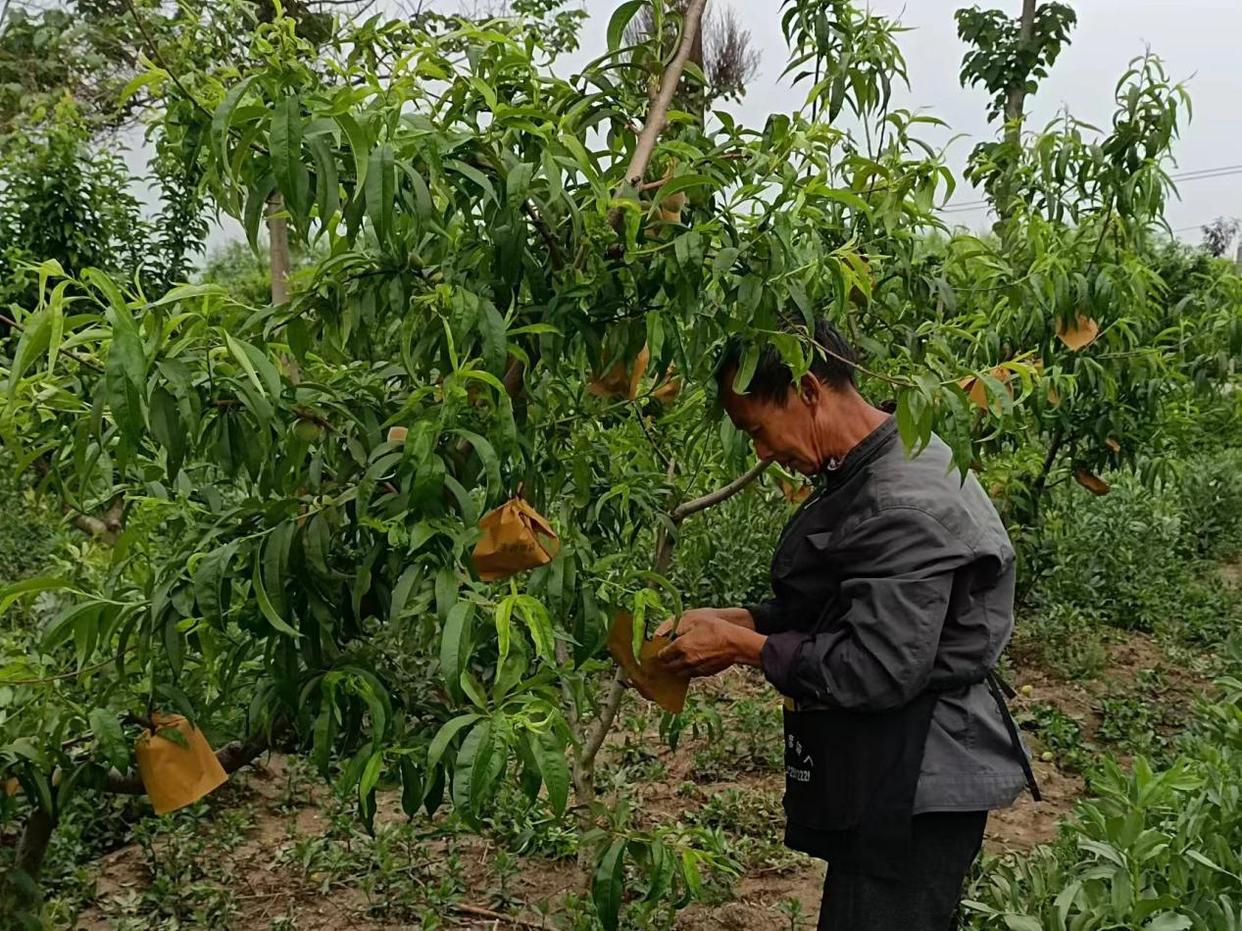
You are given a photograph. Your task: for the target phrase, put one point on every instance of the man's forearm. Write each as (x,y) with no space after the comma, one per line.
(747,645)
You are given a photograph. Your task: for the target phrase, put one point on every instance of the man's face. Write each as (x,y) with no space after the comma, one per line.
(783,433)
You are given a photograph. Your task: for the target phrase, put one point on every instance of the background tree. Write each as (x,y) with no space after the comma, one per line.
(1218,236)
(302,480)
(1009,57)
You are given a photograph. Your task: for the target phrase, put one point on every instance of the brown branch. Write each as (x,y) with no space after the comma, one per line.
(105,529)
(34,840)
(554,247)
(81,360)
(682,511)
(657,115)
(475,911)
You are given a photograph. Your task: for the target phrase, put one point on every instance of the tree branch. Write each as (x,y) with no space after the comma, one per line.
(34,840)
(682,511)
(81,360)
(657,115)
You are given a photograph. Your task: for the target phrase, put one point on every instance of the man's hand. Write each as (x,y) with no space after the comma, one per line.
(739,617)
(708,643)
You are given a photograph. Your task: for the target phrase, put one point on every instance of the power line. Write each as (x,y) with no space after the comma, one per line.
(1222,171)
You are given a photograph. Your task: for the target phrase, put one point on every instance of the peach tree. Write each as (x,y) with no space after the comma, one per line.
(495,245)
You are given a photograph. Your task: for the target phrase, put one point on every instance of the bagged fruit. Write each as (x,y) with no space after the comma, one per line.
(653,680)
(515,538)
(176,775)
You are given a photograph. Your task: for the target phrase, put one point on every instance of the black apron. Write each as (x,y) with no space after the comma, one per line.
(850,780)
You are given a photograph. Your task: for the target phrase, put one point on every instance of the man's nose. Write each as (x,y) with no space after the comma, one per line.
(762,451)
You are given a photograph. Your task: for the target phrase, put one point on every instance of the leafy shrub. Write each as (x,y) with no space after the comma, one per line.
(1156,850)
(1210,492)
(1135,558)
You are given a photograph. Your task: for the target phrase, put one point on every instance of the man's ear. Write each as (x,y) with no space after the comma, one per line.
(810,389)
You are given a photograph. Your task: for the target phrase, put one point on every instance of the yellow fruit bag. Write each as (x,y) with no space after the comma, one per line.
(1078,335)
(515,538)
(620,381)
(175,776)
(653,680)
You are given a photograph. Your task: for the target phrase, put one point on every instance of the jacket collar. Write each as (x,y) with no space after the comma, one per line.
(871,446)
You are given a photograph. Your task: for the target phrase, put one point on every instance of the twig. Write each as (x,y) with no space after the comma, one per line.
(647,433)
(476,911)
(660,562)
(159,59)
(81,360)
(558,256)
(657,116)
(682,511)
(232,757)
(58,677)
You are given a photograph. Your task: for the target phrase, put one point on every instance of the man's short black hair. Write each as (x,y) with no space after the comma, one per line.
(832,362)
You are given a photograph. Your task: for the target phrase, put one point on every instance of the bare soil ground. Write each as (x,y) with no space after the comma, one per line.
(286,815)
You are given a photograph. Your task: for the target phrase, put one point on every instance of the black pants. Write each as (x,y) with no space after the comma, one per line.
(927,899)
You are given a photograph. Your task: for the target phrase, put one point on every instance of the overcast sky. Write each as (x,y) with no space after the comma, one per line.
(1199,40)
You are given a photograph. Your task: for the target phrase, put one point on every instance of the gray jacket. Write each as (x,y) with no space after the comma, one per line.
(895,578)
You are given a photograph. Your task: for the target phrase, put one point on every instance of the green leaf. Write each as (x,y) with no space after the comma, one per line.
(250,359)
(381,190)
(32,343)
(606,887)
(109,737)
(359,145)
(620,19)
(256,201)
(125,376)
(292,178)
(412,788)
(144,79)
(327,184)
(746,368)
(445,735)
(487,455)
(167,428)
(222,119)
(554,768)
(504,613)
(39,583)
(265,603)
(539,623)
(454,643)
(208,574)
(1169,921)
(472,761)
(492,330)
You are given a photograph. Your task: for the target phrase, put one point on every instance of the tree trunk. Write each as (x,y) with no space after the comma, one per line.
(278,238)
(1014,104)
(33,844)
(1017,94)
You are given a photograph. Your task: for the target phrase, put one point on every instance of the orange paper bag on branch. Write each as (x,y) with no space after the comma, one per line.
(515,538)
(653,680)
(1079,334)
(620,380)
(175,775)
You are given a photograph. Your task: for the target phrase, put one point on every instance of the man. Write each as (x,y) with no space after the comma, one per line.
(893,599)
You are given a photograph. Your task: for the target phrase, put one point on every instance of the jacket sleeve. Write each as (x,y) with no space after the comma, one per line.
(769,616)
(879,650)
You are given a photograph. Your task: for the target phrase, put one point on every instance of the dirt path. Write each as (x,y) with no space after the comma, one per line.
(296,859)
